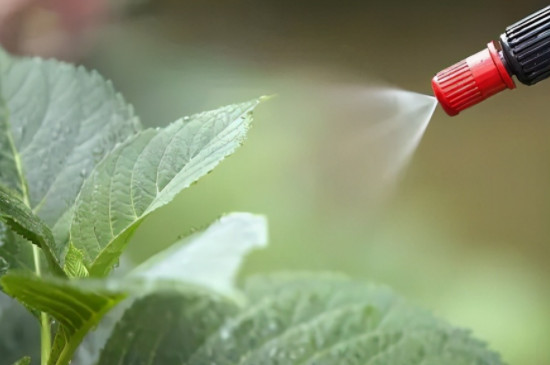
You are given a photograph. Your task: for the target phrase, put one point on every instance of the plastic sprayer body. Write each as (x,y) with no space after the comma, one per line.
(523,50)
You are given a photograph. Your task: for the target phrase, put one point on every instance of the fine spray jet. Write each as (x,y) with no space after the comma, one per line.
(523,50)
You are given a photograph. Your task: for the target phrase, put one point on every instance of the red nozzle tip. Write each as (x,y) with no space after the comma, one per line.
(472,80)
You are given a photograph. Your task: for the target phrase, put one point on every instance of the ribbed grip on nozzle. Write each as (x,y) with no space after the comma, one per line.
(472,80)
(457,87)
(526,47)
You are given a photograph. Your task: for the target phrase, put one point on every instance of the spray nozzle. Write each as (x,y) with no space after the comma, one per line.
(523,50)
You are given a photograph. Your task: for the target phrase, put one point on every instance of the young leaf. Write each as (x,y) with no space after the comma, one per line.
(336,321)
(75,306)
(145,173)
(210,258)
(74,266)
(17,216)
(166,328)
(59,123)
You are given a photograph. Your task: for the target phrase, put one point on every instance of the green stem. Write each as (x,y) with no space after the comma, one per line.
(45,339)
(67,354)
(45,334)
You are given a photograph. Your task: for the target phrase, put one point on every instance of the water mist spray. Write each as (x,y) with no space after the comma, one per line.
(523,50)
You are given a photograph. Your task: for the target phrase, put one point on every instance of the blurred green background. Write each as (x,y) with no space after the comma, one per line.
(464,233)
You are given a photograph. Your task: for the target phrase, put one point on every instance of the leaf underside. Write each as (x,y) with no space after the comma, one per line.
(211,258)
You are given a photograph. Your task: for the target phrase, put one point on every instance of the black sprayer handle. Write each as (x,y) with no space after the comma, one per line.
(526,47)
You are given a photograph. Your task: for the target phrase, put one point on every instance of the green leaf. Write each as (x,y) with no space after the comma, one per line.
(76,306)
(333,320)
(57,122)
(145,173)
(17,216)
(295,319)
(74,266)
(166,327)
(210,258)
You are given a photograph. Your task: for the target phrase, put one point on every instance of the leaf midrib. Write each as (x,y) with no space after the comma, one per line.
(17,159)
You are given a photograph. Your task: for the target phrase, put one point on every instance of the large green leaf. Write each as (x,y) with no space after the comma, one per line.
(76,306)
(210,258)
(21,220)
(293,320)
(166,328)
(57,122)
(307,320)
(145,173)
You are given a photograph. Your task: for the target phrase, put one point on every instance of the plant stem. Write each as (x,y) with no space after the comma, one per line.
(45,339)
(45,335)
(66,355)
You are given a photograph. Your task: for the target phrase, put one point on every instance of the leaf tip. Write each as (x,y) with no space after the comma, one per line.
(267,97)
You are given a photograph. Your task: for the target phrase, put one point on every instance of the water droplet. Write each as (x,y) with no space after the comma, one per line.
(97,150)
(83,173)
(272,326)
(21,132)
(56,131)
(225,334)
